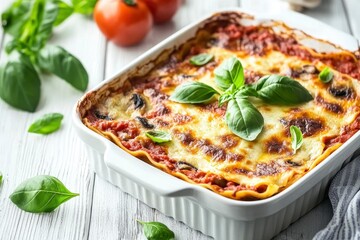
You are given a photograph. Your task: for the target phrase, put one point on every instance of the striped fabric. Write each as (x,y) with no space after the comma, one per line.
(344,194)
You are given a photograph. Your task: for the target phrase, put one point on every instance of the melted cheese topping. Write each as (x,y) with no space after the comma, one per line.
(202,140)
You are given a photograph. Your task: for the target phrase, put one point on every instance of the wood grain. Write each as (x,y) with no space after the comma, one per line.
(352,8)
(102,211)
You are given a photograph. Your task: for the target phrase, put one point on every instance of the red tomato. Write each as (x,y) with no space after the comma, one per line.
(163,10)
(125,22)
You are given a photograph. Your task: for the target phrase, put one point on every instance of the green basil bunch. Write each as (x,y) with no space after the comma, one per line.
(31,23)
(242,117)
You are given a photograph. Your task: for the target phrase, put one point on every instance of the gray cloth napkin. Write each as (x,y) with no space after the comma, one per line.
(344,194)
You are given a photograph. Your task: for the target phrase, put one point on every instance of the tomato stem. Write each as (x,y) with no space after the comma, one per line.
(130,2)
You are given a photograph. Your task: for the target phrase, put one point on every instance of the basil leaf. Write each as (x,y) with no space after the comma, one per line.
(64,11)
(58,61)
(84,6)
(41,194)
(296,138)
(157,231)
(193,92)
(326,75)
(46,22)
(247,91)
(244,119)
(48,123)
(159,136)
(14,18)
(201,59)
(19,83)
(229,72)
(1,178)
(281,90)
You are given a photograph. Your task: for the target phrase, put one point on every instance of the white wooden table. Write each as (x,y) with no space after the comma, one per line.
(102,211)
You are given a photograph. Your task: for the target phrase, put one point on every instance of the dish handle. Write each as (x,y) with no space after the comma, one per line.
(144,174)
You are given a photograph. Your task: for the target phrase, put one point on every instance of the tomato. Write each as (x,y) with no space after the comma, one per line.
(125,22)
(163,10)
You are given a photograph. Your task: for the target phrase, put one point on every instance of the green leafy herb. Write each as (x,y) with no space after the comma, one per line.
(193,92)
(31,24)
(281,90)
(48,123)
(159,136)
(227,95)
(244,119)
(58,61)
(19,83)
(64,11)
(229,72)
(1,178)
(296,138)
(41,194)
(38,37)
(14,18)
(84,6)
(201,59)
(157,231)
(326,75)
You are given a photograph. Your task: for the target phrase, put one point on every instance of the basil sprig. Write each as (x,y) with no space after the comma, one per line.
(242,117)
(193,92)
(157,231)
(158,136)
(201,59)
(326,75)
(296,138)
(1,178)
(41,194)
(48,123)
(31,24)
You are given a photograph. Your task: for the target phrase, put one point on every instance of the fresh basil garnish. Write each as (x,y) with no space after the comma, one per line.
(229,72)
(41,194)
(58,61)
(14,18)
(65,11)
(296,138)
(281,90)
(84,6)
(20,83)
(326,75)
(31,24)
(158,136)
(157,231)
(201,59)
(244,119)
(1,177)
(247,91)
(48,123)
(193,92)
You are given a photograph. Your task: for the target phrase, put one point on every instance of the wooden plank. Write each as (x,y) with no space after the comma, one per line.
(113,216)
(61,154)
(352,8)
(332,13)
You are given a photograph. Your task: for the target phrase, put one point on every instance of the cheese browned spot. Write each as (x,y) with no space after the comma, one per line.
(203,150)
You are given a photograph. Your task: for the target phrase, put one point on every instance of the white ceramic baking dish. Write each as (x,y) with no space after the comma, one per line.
(199,208)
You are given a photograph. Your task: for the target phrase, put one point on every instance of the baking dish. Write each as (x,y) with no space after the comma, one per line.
(201,209)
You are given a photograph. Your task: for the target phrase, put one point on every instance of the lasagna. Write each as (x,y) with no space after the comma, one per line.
(203,150)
